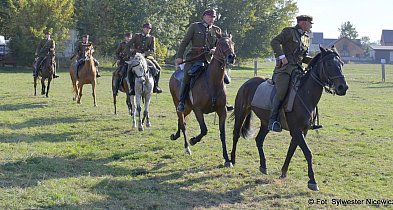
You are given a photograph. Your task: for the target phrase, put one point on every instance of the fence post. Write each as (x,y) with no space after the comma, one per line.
(255,68)
(383,61)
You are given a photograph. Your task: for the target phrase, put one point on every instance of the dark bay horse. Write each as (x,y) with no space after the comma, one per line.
(324,70)
(123,87)
(208,95)
(46,72)
(86,75)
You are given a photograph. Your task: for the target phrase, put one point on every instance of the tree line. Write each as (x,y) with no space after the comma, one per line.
(252,22)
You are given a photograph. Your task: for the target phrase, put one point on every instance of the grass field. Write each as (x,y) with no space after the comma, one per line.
(60,155)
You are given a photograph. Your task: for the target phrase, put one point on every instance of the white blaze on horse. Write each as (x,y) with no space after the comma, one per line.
(139,71)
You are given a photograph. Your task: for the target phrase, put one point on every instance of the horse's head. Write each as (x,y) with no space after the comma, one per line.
(138,66)
(89,51)
(225,49)
(328,70)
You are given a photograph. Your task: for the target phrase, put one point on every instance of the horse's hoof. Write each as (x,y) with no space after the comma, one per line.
(47,96)
(148,124)
(312,186)
(173,137)
(228,164)
(140,129)
(187,151)
(193,141)
(263,170)
(283,176)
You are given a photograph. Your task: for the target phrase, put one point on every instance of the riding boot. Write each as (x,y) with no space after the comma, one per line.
(157,89)
(54,72)
(76,69)
(227,79)
(274,125)
(183,94)
(35,72)
(97,73)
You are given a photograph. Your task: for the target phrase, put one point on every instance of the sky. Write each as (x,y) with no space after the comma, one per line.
(368,17)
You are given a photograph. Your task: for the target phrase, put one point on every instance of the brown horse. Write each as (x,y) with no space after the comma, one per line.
(46,72)
(86,75)
(208,95)
(324,70)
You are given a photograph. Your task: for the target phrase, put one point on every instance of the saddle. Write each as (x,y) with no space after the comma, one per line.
(267,90)
(195,72)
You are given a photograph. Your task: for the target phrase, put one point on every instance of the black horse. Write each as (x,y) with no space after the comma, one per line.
(324,70)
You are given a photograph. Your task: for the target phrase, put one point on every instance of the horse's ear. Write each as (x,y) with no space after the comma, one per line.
(322,48)
(333,47)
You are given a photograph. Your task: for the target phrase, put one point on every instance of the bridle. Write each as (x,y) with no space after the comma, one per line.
(219,54)
(328,84)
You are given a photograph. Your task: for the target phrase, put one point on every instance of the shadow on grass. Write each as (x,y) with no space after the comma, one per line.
(16,107)
(45,121)
(142,189)
(48,137)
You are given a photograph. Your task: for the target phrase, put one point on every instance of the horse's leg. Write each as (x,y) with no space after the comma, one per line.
(139,109)
(35,86)
(176,135)
(133,110)
(43,86)
(146,112)
(222,117)
(93,87)
(47,88)
(242,121)
(300,139)
(202,126)
(291,151)
(80,88)
(182,127)
(114,103)
(263,131)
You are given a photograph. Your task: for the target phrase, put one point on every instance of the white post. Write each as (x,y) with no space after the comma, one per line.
(383,61)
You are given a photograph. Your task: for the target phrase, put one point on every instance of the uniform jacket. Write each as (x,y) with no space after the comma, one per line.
(44,47)
(200,37)
(141,43)
(294,43)
(121,53)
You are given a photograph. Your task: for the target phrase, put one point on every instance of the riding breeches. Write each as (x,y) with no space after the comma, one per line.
(281,78)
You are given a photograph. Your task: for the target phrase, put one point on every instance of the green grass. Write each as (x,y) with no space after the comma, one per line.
(57,154)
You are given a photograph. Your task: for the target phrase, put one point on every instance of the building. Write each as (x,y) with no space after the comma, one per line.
(385,50)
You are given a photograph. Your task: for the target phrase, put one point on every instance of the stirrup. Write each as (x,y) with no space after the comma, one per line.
(316,127)
(157,89)
(275,126)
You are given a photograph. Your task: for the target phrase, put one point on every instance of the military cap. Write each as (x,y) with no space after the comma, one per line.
(304,18)
(86,35)
(127,34)
(147,25)
(210,12)
(47,33)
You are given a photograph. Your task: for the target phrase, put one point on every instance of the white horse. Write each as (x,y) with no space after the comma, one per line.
(143,88)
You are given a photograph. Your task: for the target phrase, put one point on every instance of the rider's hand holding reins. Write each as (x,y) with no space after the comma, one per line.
(179,61)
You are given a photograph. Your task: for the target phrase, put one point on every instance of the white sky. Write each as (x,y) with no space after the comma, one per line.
(368,17)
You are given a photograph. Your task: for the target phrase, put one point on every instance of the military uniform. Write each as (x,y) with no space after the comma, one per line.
(293,44)
(145,43)
(203,38)
(44,47)
(80,53)
(122,57)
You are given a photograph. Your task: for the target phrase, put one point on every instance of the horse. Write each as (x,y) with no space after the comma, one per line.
(86,75)
(123,87)
(46,72)
(138,69)
(208,95)
(324,70)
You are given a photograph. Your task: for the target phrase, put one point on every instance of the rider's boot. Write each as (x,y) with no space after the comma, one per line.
(183,94)
(274,125)
(156,88)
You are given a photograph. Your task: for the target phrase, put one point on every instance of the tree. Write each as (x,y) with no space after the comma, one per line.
(365,41)
(29,20)
(348,30)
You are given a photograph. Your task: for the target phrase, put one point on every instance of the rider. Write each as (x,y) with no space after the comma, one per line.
(80,53)
(121,56)
(144,43)
(291,50)
(203,37)
(44,47)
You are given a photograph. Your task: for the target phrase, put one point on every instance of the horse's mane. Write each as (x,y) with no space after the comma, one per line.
(139,59)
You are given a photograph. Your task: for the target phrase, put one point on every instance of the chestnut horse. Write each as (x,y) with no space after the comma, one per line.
(325,69)
(208,95)
(46,72)
(86,75)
